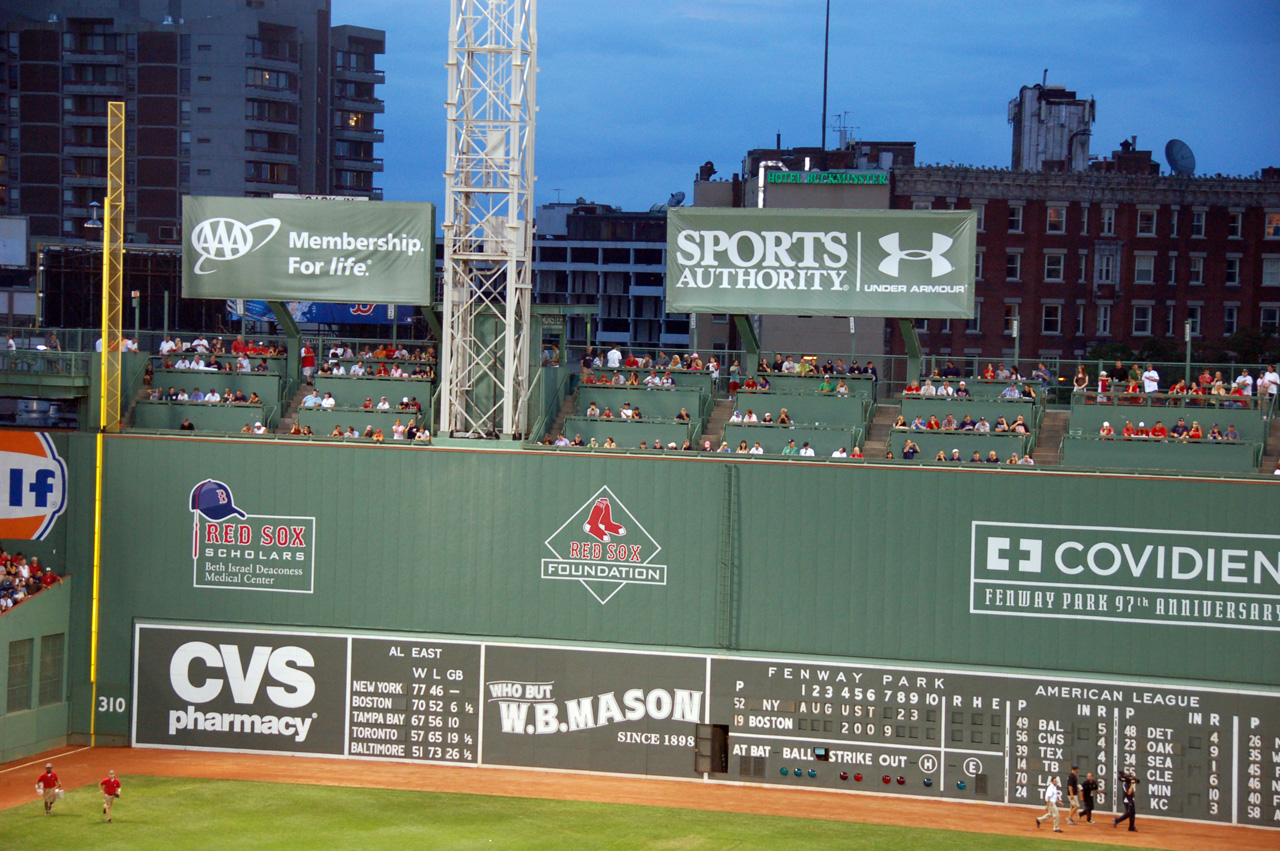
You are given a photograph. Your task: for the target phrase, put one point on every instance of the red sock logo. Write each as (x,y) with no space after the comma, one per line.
(606,520)
(593,526)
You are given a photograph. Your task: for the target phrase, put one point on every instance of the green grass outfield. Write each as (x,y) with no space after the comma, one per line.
(170,813)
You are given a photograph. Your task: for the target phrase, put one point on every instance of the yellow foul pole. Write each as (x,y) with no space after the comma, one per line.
(109,401)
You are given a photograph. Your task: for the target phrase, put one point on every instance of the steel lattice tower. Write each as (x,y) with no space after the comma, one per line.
(488,216)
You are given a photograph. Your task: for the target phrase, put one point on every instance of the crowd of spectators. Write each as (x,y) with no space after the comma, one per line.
(950,423)
(409,432)
(21,579)
(911,450)
(1131,386)
(325,401)
(212,397)
(1180,431)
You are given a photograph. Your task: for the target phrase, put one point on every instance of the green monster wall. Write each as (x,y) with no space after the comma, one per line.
(915,564)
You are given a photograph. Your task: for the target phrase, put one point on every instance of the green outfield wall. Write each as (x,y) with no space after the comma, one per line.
(1122,576)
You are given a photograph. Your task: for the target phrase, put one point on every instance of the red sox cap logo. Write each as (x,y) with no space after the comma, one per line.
(607,554)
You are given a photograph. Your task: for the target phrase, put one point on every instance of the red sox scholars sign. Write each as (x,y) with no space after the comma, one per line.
(604,547)
(251,552)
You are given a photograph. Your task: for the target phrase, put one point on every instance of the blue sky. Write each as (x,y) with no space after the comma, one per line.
(633,97)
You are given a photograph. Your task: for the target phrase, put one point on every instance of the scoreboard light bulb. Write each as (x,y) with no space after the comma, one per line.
(812,773)
(902,781)
(798,771)
(858,776)
(959,784)
(844,775)
(783,771)
(928,781)
(887,779)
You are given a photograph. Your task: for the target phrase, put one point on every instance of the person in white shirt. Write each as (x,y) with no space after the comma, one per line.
(1151,380)
(750,417)
(197,362)
(789,365)
(613,359)
(329,402)
(652,380)
(212,396)
(946,389)
(757,449)
(1245,382)
(982,425)
(383,405)
(627,411)
(736,418)
(182,363)
(840,453)
(806,450)
(357,368)
(339,369)
(259,428)
(200,344)
(928,389)
(167,346)
(402,353)
(242,364)
(1052,797)
(128,344)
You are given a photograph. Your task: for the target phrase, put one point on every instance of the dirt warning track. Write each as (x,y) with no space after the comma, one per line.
(86,766)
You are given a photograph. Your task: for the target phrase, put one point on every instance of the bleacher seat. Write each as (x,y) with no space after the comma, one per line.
(773,438)
(628,433)
(1004,443)
(1207,456)
(228,419)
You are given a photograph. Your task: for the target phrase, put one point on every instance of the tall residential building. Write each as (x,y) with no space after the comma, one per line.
(223,97)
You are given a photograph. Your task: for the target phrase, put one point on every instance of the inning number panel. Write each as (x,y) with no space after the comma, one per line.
(1199,753)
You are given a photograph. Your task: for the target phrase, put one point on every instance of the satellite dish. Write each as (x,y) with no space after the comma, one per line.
(676,199)
(1178,154)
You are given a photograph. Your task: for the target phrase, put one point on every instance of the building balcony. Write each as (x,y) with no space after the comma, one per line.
(93,89)
(69,179)
(105,57)
(268,93)
(369,75)
(274,155)
(351,104)
(344,132)
(84,118)
(272,61)
(358,163)
(268,124)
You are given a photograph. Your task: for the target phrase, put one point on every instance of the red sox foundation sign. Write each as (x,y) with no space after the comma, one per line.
(253,552)
(604,547)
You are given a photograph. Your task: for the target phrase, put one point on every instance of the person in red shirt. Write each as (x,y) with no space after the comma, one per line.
(933,424)
(1143,431)
(1128,431)
(50,785)
(308,362)
(1106,430)
(237,347)
(382,370)
(631,362)
(1196,433)
(856,453)
(989,374)
(1158,430)
(110,791)
(368,403)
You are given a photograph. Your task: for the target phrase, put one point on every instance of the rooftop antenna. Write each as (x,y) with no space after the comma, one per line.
(1044,81)
(1181,160)
(557,190)
(826,53)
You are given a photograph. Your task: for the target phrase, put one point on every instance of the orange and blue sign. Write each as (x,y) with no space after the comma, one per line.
(34,482)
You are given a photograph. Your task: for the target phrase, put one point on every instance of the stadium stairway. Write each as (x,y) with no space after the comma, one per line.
(1271,456)
(567,409)
(720,414)
(877,437)
(290,413)
(1048,449)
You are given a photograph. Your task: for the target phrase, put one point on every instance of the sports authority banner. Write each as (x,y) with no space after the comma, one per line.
(902,263)
(306,250)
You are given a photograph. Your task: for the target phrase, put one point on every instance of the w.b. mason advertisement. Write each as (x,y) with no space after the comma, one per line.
(902,263)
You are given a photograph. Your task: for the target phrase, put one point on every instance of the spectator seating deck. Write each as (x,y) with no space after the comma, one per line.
(655,404)
(931,442)
(860,386)
(265,384)
(276,366)
(351,391)
(681,377)
(940,406)
(1088,414)
(1144,454)
(628,433)
(322,420)
(228,419)
(828,409)
(982,389)
(773,438)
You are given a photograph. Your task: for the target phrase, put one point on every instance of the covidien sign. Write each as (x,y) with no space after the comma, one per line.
(899,263)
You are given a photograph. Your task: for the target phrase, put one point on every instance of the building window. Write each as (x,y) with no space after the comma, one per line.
(1193,316)
(1104,320)
(1269,321)
(1230,319)
(1168,321)
(1010,317)
(1235,225)
(19,696)
(1173,270)
(1233,272)
(977,266)
(203,172)
(1271,272)
(1056,220)
(1013,267)
(1106,269)
(1142,320)
(1197,271)
(204,47)
(1108,222)
(1272,230)
(974,324)
(981,216)
(1197,222)
(946,326)
(1015,220)
(1079,319)
(1053,264)
(1144,269)
(1173,222)
(1084,267)
(1146,223)
(921,205)
(51,654)
(1051,319)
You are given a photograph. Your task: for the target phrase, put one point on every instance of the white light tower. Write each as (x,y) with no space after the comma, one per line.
(488,216)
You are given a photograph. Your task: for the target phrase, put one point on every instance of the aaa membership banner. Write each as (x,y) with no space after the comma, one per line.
(307,250)
(898,263)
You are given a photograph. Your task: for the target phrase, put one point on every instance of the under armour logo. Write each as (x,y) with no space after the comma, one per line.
(941,265)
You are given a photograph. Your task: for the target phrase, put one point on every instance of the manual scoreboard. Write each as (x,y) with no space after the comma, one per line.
(1200,752)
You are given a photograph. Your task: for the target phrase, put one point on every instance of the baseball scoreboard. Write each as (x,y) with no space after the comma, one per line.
(1200,752)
